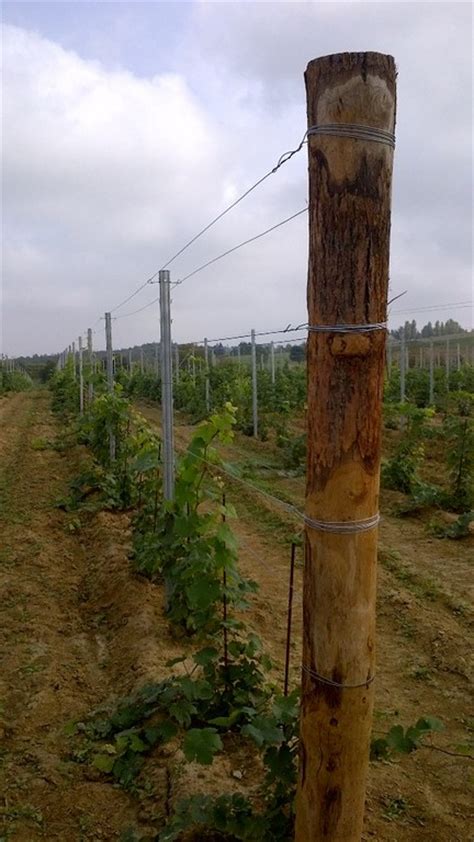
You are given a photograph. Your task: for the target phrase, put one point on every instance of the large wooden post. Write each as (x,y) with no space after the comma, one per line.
(349,228)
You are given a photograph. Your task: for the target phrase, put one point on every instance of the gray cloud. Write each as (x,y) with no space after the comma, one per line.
(107,174)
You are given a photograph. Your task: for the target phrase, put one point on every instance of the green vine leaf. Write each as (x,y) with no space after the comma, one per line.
(201,744)
(263,730)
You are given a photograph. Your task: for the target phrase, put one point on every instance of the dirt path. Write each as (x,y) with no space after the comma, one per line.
(75,629)
(425,647)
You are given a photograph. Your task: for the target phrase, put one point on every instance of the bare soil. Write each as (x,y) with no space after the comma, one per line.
(78,628)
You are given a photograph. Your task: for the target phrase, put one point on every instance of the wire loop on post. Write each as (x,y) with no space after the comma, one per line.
(354,130)
(342,328)
(343,527)
(323,680)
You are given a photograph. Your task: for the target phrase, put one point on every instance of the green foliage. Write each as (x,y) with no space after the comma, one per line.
(187,541)
(217,693)
(108,415)
(417,385)
(229,382)
(400,741)
(65,391)
(458,432)
(456,530)
(14,381)
(401,471)
(274,731)
(462,380)
(293,450)
(133,475)
(230,815)
(144,385)
(201,744)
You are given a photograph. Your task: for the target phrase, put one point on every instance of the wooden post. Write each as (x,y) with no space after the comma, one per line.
(349,227)
(458,356)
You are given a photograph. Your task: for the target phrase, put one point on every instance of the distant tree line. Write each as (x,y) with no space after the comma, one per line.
(448,328)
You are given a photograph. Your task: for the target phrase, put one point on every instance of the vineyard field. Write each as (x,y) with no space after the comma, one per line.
(82,629)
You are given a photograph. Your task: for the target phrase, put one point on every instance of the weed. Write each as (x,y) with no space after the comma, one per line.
(39,443)
(22,811)
(407,627)
(421,673)
(395,808)
(31,669)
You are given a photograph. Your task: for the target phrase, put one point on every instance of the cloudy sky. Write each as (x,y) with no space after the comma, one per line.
(128,126)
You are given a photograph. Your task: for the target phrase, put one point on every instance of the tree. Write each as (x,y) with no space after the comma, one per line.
(297,353)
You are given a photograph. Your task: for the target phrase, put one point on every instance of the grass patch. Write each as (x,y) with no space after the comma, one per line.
(421,588)
(424,589)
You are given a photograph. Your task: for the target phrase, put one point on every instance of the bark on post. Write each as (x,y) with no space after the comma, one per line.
(349,228)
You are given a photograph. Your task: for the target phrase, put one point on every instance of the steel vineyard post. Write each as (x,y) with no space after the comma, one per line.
(403,362)
(206,376)
(254,385)
(431,374)
(166,385)
(447,364)
(81,378)
(90,394)
(110,374)
(176,362)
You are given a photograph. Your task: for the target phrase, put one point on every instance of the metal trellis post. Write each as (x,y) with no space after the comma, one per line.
(447,364)
(176,362)
(110,375)
(90,365)
(431,374)
(166,385)
(206,376)
(81,378)
(403,360)
(254,384)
